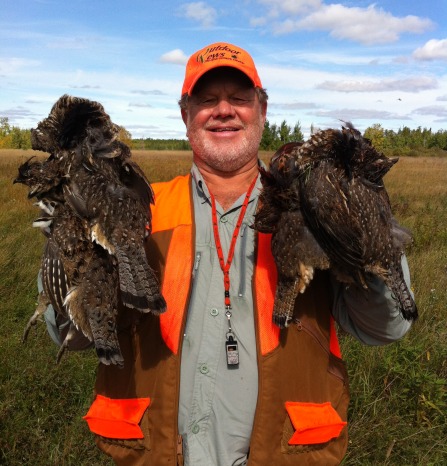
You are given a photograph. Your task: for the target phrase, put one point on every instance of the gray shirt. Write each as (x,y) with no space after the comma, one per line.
(217,404)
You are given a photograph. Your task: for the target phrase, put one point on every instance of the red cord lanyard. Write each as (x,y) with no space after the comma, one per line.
(226,266)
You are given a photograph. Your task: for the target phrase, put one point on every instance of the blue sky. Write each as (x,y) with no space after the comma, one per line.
(320,61)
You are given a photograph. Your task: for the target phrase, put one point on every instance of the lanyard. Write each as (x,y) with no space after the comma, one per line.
(226,266)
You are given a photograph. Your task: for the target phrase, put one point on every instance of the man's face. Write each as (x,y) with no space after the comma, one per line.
(224,121)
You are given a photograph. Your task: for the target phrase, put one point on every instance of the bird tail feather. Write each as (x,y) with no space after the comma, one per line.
(399,287)
(138,284)
(106,341)
(286,293)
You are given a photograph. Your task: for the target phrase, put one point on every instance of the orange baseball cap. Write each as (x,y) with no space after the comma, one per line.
(214,56)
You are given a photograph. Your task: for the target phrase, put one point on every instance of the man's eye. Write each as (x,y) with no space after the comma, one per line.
(239,100)
(207,101)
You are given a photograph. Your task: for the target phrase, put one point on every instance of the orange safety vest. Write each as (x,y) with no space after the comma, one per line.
(303,391)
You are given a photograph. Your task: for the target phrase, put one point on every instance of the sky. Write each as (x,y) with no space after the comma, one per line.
(320,61)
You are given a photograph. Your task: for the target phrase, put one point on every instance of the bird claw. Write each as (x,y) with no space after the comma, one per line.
(31,323)
(42,304)
(62,349)
(306,276)
(283,320)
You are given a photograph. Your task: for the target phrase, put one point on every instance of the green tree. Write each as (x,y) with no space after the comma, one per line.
(297,135)
(376,135)
(125,136)
(20,138)
(5,129)
(275,136)
(269,136)
(284,132)
(12,137)
(439,140)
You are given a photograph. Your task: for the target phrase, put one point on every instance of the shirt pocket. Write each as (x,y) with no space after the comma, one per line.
(120,422)
(313,423)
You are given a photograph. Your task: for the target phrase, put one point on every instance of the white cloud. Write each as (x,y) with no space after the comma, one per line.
(436,110)
(71,43)
(402,60)
(351,114)
(293,105)
(139,105)
(143,92)
(85,86)
(175,56)
(416,84)
(371,25)
(442,98)
(257,22)
(10,66)
(433,50)
(17,113)
(200,12)
(333,56)
(290,7)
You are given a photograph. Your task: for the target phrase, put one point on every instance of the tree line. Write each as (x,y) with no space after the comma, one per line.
(419,138)
(273,137)
(12,137)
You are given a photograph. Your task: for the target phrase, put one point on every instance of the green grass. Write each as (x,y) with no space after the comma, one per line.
(398,412)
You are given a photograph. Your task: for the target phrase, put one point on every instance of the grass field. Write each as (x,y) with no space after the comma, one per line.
(398,413)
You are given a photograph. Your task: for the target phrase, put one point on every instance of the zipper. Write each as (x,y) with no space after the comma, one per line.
(301,326)
(312,332)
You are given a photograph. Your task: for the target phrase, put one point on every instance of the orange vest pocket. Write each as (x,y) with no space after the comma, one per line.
(117,418)
(313,422)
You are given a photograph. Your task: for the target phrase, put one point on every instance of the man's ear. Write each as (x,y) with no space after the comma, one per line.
(264,111)
(184,116)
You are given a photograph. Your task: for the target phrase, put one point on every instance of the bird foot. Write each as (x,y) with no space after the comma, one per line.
(282,320)
(306,276)
(65,344)
(31,323)
(42,304)
(62,349)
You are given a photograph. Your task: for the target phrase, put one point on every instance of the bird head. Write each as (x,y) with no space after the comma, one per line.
(30,175)
(24,172)
(28,172)
(41,177)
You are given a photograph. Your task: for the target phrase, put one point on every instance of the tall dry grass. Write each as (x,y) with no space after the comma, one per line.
(398,413)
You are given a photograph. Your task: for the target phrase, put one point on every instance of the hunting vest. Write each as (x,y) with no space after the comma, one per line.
(303,394)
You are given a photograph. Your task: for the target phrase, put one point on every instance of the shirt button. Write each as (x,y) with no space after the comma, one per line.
(214,312)
(195,429)
(224,219)
(204,369)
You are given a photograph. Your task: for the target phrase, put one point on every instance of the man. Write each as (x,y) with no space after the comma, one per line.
(212,381)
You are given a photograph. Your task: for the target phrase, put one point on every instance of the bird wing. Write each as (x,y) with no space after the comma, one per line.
(76,200)
(327,207)
(133,177)
(54,279)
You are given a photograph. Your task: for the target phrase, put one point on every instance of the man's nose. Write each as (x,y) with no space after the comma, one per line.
(223,109)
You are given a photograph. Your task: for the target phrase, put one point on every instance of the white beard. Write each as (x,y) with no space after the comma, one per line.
(226,157)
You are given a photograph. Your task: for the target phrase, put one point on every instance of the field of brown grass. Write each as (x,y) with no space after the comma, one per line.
(398,413)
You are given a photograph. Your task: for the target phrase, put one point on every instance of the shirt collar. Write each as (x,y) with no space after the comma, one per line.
(201,189)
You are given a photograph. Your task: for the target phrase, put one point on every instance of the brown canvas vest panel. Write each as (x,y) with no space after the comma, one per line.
(298,370)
